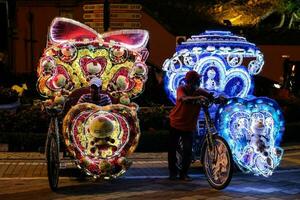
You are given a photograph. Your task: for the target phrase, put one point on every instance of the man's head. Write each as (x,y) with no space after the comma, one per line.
(192,78)
(95,87)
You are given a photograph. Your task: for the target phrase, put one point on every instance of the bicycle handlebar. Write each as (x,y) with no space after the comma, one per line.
(54,109)
(208,101)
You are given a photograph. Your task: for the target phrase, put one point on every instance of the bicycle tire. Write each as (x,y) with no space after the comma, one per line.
(52,156)
(208,168)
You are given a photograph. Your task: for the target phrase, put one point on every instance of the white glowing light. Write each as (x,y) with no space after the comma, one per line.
(276,85)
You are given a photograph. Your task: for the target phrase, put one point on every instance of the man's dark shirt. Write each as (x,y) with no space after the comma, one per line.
(103,100)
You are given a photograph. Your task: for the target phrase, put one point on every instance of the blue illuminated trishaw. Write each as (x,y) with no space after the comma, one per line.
(252,126)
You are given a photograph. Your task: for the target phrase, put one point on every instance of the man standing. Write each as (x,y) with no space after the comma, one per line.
(183,121)
(95,96)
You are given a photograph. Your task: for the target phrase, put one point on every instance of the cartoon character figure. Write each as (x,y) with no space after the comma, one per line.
(258,132)
(211,83)
(100,134)
(260,141)
(67,52)
(236,89)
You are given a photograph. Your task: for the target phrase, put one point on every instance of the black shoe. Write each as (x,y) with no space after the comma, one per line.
(172,177)
(185,178)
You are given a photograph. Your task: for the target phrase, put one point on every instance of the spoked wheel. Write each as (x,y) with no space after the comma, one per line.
(179,154)
(52,154)
(218,163)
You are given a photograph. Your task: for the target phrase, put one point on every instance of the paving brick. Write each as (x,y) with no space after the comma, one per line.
(10,170)
(24,169)
(38,170)
(3,169)
(30,171)
(17,170)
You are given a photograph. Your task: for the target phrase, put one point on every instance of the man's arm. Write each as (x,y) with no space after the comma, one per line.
(81,99)
(108,100)
(202,92)
(105,100)
(191,98)
(181,96)
(199,94)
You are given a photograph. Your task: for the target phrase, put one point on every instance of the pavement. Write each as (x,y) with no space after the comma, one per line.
(24,176)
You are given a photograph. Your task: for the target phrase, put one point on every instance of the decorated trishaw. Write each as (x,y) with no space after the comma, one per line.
(252,126)
(99,138)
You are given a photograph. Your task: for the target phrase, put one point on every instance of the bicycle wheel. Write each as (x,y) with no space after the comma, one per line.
(52,155)
(218,163)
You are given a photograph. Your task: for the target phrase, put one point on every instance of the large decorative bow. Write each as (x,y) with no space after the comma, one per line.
(75,53)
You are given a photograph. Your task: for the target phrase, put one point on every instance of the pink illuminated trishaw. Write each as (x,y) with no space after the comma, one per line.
(98,138)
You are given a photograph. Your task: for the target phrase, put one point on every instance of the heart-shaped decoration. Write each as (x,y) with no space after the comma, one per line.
(234,82)
(121,82)
(216,77)
(253,130)
(58,79)
(213,71)
(237,83)
(93,66)
(99,136)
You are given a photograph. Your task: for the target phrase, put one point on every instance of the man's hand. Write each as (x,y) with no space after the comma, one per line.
(201,99)
(222,100)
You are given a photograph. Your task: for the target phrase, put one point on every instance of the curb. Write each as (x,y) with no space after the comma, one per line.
(291,148)
(134,156)
(41,156)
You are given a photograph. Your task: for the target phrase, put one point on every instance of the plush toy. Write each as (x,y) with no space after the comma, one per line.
(20,90)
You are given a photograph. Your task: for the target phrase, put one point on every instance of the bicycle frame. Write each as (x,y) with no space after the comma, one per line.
(207,137)
(209,131)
